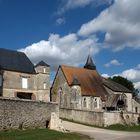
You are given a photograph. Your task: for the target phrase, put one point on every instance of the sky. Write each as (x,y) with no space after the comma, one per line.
(67,31)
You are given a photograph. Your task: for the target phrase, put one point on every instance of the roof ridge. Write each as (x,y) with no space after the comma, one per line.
(76,68)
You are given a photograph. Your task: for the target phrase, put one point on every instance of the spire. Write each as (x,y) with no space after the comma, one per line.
(89,64)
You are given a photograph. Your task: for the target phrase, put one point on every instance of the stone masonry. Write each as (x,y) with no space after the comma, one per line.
(22,114)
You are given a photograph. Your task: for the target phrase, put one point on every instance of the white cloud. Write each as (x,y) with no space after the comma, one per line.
(113,62)
(61,50)
(60,21)
(120,22)
(131,74)
(105,75)
(137,85)
(72,4)
(138,66)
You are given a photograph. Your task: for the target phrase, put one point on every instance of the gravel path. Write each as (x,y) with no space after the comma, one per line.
(101,134)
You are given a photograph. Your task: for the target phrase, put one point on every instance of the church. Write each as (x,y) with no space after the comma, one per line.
(85,89)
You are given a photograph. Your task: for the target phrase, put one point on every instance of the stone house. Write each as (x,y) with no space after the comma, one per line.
(85,89)
(19,78)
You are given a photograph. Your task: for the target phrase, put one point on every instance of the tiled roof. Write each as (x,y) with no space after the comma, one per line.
(42,63)
(15,61)
(115,86)
(90,81)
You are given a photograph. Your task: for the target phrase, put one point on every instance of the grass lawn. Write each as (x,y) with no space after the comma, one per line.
(40,134)
(133,128)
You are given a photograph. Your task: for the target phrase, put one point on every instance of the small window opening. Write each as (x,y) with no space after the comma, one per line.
(44,70)
(47,123)
(24,95)
(85,103)
(45,85)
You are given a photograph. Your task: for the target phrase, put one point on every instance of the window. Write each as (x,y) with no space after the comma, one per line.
(45,85)
(136,109)
(96,102)
(85,103)
(24,83)
(0,80)
(44,70)
(23,95)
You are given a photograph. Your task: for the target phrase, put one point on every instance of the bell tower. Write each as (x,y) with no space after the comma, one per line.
(89,64)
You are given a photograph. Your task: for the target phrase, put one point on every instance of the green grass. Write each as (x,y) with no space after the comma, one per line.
(40,134)
(133,128)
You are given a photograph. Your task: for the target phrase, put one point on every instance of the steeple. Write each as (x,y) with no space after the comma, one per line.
(89,64)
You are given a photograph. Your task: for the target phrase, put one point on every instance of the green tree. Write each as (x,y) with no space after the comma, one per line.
(127,83)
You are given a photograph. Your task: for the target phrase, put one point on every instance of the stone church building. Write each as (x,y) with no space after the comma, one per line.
(85,89)
(19,78)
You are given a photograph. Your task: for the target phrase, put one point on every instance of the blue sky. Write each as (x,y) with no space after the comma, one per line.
(62,31)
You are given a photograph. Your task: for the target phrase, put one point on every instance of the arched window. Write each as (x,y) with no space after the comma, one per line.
(95,102)
(84,103)
(122,102)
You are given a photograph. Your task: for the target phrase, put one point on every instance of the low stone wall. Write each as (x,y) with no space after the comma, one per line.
(18,114)
(121,118)
(87,117)
(99,118)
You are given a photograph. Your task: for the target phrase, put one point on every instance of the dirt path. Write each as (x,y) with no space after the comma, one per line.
(101,134)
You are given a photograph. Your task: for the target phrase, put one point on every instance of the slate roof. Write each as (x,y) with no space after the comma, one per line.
(89,64)
(90,81)
(42,63)
(15,61)
(115,86)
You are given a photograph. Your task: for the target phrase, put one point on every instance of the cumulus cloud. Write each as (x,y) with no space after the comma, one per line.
(72,4)
(120,22)
(137,85)
(69,50)
(138,66)
(132,74)
(105,75)
(113,62)
(60,21)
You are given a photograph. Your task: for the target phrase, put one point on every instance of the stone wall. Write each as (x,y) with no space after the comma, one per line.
(121,118)
(99,118)
(136,106)
(87,117)
(17,114)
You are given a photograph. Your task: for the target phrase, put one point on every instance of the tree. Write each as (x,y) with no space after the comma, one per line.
(127,83)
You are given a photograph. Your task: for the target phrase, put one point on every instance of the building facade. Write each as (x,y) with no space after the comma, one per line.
(84,89)
(19,78)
